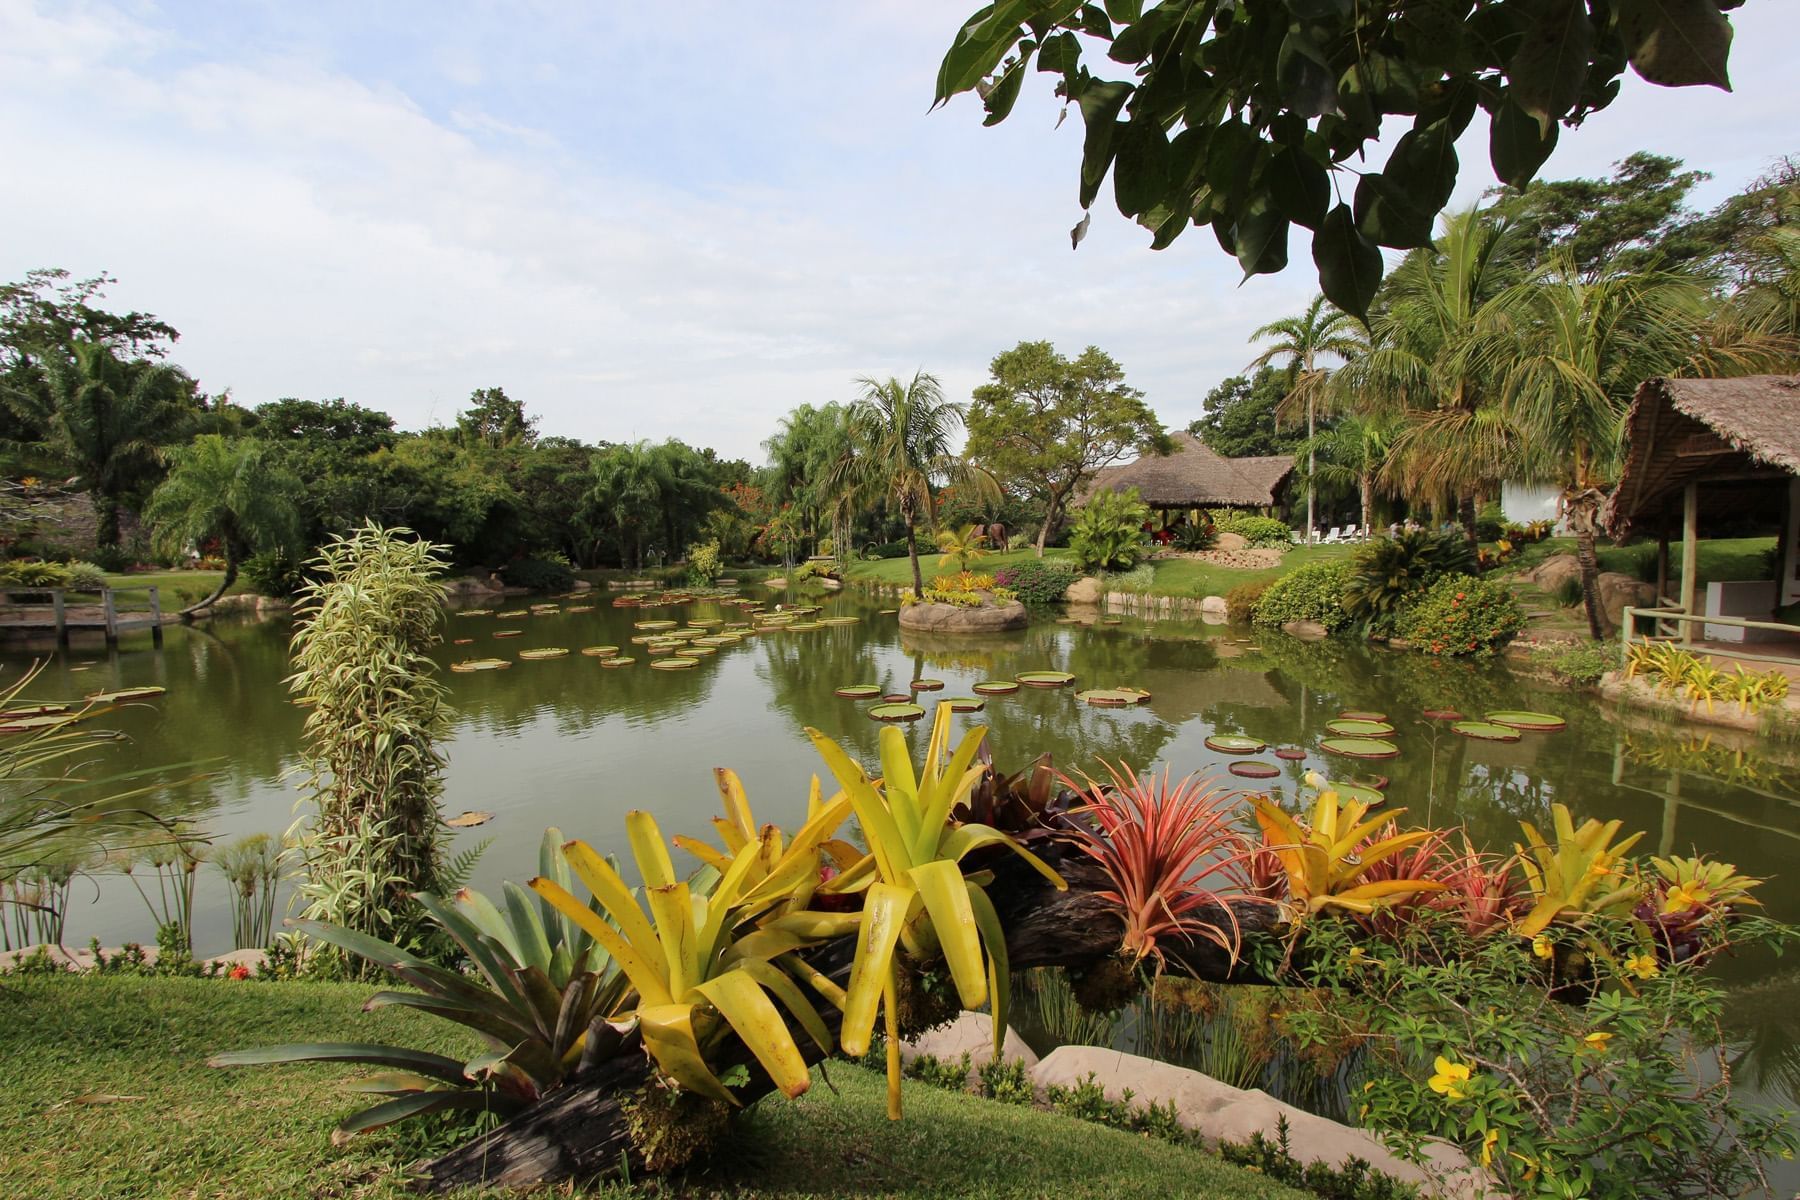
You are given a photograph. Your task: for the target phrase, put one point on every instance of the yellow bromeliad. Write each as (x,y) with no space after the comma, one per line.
(1324,859)
(1579,875)
(694,977)
(915,894)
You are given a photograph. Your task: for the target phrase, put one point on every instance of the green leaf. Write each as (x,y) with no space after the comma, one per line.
(421,1103)
(1140,166)
(1231,154)
(1124,11)
(1389,215)
(1551,65)
(1298,185)
(1261,237)
(979,47)
(370,1054)
(1101,101)
(1059,53)
(1349,263)
(1518,145)
(999,101)
(1303,76)
(1677,43)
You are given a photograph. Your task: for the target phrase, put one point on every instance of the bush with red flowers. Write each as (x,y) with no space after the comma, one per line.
(1462,615)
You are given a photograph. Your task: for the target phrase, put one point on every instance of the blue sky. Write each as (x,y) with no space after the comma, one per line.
(643,221)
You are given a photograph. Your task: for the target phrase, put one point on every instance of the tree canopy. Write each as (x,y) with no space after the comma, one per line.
(1239,115)
(1240,418)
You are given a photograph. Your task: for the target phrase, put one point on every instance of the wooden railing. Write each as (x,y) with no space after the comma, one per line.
(1674,614)
(111,620)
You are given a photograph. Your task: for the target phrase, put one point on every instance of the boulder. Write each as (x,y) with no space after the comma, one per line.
(1618,590)
(971,1033)
(582,585)
(1085,590)
(1221,1113)
(949,618)
(470,587)
(1306,631)
(1550,574)
(830,584)
(1215,606)
(1231,541)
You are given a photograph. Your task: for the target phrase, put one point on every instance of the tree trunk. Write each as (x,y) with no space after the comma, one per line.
(1368,504)
(582,1130)
(106,519)
(1581,509)
(1051,512)
(912,552)
(231,569)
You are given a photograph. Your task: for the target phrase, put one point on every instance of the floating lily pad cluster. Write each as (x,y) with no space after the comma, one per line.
(1508,725)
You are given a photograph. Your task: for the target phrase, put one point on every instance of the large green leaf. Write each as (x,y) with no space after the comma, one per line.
(1518,145)
(1551,64)
(1676,43)
(1100,102)
(435,1065)
(1261,237)
(1349,263)
(980,45)
(1299,186)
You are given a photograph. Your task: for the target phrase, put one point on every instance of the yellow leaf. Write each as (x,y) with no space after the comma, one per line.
(884,912)
(668,1031)
(748,1010)
(946,898)
(648,848)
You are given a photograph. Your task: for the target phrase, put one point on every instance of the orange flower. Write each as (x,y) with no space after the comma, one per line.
(240,972)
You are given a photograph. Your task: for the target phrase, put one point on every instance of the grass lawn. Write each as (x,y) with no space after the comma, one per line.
(183,586)
(1174,576)
(105,1095)
(1719,558)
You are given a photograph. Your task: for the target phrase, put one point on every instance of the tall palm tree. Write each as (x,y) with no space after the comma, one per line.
(1320,330)
(227,490)
(1569,354)
(629,483)
(103,420)
(1421,367)
(902,433)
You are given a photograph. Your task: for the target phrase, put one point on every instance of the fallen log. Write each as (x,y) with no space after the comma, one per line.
(583,1129)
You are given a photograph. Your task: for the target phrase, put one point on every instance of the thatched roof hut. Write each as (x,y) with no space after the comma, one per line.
(1194,476)
(1739,435)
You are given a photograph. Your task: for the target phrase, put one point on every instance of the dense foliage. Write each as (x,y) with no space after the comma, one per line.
(1460,615)
(1255,530)
(1109,531)
(1041,581)
(1313,592)
(545,574)
(1389,573)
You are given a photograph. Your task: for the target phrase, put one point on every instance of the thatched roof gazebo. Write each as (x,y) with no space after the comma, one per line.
(1194,476)
(1734,443)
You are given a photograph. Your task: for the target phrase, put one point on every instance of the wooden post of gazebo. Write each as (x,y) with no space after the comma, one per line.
(1690,554)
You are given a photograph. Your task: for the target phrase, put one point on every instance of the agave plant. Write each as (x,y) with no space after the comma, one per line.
(538,1000)
(1157,842)
(1580,875)
(915,894)
(1327,860)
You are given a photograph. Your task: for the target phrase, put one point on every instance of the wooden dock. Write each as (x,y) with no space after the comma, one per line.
(61,618)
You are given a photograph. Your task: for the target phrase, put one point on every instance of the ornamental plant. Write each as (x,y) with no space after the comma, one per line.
(1313,592)
(1109,531)
(1037,581)
(1461,615)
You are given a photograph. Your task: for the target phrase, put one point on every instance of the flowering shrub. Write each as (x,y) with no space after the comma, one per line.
(1459,615)
(1310,593)
(1038,581)
(703,565)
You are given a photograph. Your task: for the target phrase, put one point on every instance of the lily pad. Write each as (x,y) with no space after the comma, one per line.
(1356,747)
(514,612)
(1356,727)
(469,820)
(1106,697)
(481,664)
(705,623)
(579,608)
(545,652)
(859,691)
(834,621)
(1441,714)
(1358,715)
(674,664)
(653,625)
(696,651)
(804,626)
(599,651)
(1486,731)
(897,698)
(995,687)
(1377,783)
(123,694)
(1290,754)
(1252,769)
(504,633)
(618,660)
(927,685)
(34,710)
(42,721)
(896,712)
(1045,679)
(1232,743)
(1358,793)
(964,704)
(475,612)
(1530,722)
(461,641)
(886,612)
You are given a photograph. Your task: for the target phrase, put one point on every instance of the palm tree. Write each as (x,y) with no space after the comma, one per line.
(628,486)
(1570,353)
(1351,453)
(902,434)
(1421,366)
(225,490)
(103,420)
(961,546)
(1319,330)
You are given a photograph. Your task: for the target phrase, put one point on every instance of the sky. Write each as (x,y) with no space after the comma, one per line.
(643,221)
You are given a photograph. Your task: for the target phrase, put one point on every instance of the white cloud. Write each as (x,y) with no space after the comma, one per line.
(632,258)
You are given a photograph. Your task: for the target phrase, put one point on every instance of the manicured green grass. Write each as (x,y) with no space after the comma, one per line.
(174,1129)
(1174,576)
(176,586)
(1719,558)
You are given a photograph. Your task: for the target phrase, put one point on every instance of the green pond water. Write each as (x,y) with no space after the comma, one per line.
(565,742)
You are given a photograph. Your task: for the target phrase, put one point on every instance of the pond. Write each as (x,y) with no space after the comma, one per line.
(568,743)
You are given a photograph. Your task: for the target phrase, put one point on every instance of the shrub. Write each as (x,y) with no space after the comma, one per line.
(1255,530)
(1038,581)
(1585,662)
(273,573)
(86,576)
(114,558)
(1241,601)
(810,570)
(1140,578)
(1389,572)
(1460,615)
(703,565)
(1109,531)
(1194,538)
(961,581)
(549,574)
(886,550)
(1313,592)
(20,573)
(1568,592)
(1490,522)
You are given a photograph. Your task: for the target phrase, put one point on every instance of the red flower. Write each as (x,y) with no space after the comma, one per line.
(240,972)
(1459,595)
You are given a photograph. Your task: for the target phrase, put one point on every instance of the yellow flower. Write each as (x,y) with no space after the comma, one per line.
(1597,1040)
(1684,896)
(1357,956)
(1487,1147)
(1451,1079)
(1543,947)
(1643,965)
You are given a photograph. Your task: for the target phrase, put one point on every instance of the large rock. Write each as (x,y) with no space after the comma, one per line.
(1214,606)
(465,587)
(1617,591)
(949,618)
(1219,1112)
(971,1033)
(1231,541)
(1553,572)
(1085,590)
(1306,631)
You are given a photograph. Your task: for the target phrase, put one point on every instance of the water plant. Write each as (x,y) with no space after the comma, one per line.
(252,869)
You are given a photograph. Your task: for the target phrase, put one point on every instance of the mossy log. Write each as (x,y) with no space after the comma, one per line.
(584,1129)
